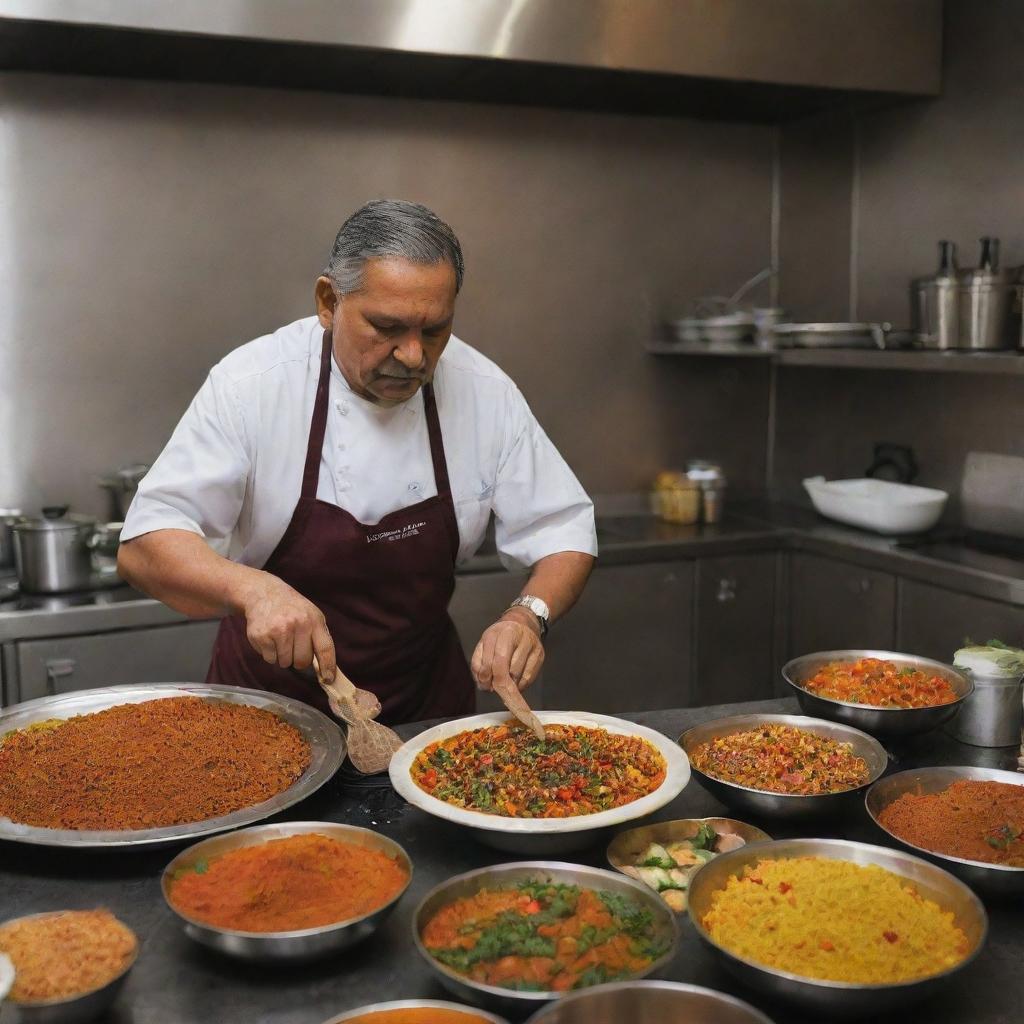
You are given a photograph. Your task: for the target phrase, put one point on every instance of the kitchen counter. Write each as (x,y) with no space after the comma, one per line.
(623,540)
(177,982)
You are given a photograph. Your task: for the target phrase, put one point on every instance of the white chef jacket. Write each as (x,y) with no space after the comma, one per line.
(232,470)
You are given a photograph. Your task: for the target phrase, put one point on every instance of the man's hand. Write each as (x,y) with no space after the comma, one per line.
(510,649)
(284,627)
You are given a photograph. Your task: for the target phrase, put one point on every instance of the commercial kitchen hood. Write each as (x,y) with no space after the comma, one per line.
(748,59)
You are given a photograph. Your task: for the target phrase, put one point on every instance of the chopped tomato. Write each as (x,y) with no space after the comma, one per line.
(430,778)
(827,946)
(890,936)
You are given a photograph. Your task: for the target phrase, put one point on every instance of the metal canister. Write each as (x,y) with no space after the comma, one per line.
(711,480)
(993,715)
(52,554)
(937,307)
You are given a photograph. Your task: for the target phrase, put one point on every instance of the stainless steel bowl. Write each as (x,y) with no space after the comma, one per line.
(992,879)
(648,1002)
(510,1001)
(877,721)
(306,943)
(473,1015)
(835,998)
(789,807)
(76,1009)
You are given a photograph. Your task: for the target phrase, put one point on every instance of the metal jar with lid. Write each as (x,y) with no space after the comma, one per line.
(52,554)
(711,480)
(993,715)
(985,297)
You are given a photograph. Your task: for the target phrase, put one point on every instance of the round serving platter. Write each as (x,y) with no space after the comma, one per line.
(325,738)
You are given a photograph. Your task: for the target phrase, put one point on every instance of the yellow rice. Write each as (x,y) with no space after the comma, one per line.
(835,921)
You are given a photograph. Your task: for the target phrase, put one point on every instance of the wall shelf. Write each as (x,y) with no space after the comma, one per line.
(1008,362)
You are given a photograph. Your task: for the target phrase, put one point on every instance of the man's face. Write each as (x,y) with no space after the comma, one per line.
(389,335)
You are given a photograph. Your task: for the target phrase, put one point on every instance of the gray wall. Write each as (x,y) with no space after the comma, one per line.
(863,205)
(147,228)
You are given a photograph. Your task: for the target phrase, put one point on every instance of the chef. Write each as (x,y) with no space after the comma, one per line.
(327,479)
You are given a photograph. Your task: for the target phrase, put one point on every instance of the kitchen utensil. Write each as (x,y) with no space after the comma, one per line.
(985,295)
(832,335)
(121,487)
(829,999)
(291,946)
(727,328)
(473,1016)
(880,505)
(540,836)
(370,744)
(992,493)
(874,720)
(992,879)
(711,480)
(992,716)
(8,517)
(512,1001)
(52,553)
(327,751)
(75,1009)
(513,699)
(648,1002)
(105,539)
(937,303)
(784,806)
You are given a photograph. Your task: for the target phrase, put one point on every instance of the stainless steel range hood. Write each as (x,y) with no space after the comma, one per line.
(787,47)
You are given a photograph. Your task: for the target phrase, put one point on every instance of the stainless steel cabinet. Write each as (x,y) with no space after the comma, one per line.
(478,601)
(735,628)
(934,622)
(834,604)
(164,654)
(626,646)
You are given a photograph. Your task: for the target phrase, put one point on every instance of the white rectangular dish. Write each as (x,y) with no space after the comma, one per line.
(879,505)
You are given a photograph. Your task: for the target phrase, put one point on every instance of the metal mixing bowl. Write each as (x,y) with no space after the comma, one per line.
(648,1002)
(306,943)
(506,1000)
(835,998)
(76,1009)
(785,806)
(992,879)
(473,1015)
(877,721)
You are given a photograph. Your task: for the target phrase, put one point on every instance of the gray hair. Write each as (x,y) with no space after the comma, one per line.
(386,229)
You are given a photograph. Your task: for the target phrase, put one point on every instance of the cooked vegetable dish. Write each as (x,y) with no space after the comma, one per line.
(545,937)
(301,881)
(834,920)
(782,759)
(506,770)
(881,684)
(667,869)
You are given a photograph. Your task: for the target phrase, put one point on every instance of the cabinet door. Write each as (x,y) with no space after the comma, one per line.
(478,601)
(735,631)
(835,604)
(934,622)
(163,654)
(626,646)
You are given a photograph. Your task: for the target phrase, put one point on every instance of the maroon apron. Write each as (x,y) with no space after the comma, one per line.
(383,589)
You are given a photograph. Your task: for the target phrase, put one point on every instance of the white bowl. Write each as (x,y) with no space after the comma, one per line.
(879,505)
(541,835)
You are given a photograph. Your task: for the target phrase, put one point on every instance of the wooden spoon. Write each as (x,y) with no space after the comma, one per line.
(513,699)
(370,744)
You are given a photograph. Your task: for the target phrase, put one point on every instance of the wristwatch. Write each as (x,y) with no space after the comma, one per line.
(539,607)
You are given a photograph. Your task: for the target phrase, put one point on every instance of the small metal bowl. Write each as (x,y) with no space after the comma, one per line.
(473,1015)
(836,998)
(77,1009)
(509,1001)
(304,944)
(647,1002)
(784,806)
(624,849)
(894,722)
(991,879)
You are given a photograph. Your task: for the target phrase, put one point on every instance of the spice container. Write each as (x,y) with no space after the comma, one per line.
(677,499)
(993,715)
(711,480)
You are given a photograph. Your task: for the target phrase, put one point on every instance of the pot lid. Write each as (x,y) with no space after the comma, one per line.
(55,518)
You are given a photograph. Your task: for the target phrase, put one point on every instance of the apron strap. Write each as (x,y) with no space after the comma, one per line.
(444,489)
(318,427)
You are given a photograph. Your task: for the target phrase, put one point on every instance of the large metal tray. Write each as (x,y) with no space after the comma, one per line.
(327,745)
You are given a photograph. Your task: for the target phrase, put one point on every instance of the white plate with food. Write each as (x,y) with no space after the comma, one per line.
(489,774)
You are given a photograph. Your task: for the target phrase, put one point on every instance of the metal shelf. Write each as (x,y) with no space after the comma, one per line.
(1008,362)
